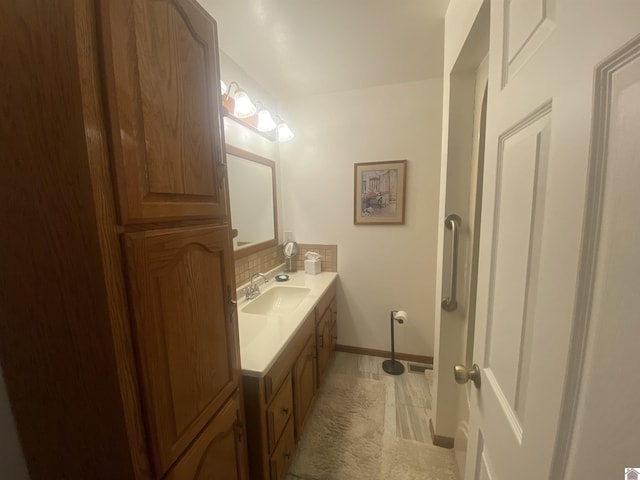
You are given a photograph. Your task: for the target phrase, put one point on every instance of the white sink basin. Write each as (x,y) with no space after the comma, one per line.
(277,301)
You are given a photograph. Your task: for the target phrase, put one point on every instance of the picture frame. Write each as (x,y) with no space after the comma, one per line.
(379,193)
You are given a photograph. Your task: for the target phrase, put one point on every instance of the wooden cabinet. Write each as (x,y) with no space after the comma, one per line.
(273,428)
(280,461)
(272,406)
(219,452)
(325,330)
(118,334)
(279,412)
(323,341)
(333,330)
(304,384)
(161,79)
(181,283)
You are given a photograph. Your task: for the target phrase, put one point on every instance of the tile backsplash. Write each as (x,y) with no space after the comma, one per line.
(261,261)
(271,257)
(328,256)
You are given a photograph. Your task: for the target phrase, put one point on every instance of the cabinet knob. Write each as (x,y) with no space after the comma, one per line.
(287,456)
(285,410)
(239,430)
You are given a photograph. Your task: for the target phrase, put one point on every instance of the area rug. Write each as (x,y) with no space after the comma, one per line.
(409,460)
(343,436)
(344,439)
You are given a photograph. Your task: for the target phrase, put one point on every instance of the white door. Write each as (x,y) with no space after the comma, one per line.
(549,59)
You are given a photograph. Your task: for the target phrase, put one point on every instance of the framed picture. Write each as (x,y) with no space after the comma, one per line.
(380,193)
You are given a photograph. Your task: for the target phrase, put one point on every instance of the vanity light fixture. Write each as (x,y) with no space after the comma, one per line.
(244,107)
(240,103)
(228,102)
(240,108)
(284,132)
(265,120)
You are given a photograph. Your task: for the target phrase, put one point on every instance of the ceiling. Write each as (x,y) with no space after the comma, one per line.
(297,48)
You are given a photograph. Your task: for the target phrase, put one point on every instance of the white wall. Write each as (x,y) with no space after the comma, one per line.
(12,463)
(380,267)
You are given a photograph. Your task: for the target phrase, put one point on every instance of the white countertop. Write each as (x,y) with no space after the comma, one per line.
(264,337)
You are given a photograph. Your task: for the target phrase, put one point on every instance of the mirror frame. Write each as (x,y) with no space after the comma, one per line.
(253,248)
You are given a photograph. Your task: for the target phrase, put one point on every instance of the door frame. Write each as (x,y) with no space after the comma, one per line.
(466,46)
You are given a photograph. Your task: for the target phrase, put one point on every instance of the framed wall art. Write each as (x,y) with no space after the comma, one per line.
(380,193)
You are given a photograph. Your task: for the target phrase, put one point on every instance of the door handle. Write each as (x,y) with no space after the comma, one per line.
(463,375)
(452,222)
(231,301)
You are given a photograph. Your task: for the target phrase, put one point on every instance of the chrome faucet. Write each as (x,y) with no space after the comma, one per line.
(252,290)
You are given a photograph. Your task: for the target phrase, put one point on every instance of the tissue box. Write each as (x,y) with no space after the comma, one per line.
(312,266)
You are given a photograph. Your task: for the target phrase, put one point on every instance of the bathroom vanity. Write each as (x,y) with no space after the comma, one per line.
(286,341)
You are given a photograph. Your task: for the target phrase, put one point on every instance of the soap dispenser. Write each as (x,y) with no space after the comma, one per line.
(312,263)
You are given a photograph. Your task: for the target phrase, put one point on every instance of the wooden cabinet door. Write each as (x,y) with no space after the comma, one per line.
(186,338)
(281,458)
(333,331)
(219,452)
(161,75)
(323,340)
(304,385)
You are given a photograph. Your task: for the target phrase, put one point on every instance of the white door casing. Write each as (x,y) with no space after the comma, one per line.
(529,333)
(466,44)
(471,264)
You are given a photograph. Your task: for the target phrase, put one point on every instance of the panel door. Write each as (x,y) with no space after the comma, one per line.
(220,451)
(532,282)
(304,385)
(160,60)
(185,327)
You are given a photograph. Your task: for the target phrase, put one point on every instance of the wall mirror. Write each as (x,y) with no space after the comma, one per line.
(252,196)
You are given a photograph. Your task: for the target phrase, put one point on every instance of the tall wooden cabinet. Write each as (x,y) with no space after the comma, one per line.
(118,329)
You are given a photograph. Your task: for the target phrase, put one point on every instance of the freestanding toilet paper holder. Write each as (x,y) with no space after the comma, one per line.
(393,366)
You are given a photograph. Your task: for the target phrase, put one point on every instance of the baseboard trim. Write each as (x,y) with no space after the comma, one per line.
(439,440)
(385,354)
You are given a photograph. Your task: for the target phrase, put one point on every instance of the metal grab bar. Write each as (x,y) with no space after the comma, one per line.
(452,222)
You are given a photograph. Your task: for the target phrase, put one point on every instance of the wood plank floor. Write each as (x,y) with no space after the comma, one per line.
(408,405)
(408,396)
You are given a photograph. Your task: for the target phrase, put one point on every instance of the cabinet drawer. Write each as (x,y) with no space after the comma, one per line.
(279,412)
(281,458)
